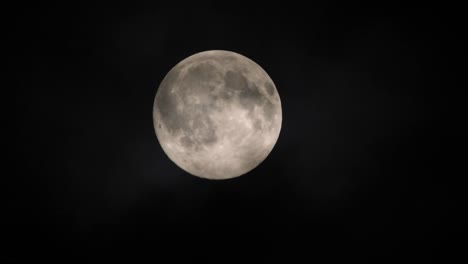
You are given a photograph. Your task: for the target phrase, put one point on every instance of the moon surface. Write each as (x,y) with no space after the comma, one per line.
(217,114)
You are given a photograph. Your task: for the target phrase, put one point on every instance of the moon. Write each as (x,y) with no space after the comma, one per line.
(217,114)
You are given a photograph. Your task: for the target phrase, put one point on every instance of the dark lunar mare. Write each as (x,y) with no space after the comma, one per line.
(249,95)
(174,91)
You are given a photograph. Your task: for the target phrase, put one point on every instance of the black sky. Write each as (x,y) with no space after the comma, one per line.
(359,172)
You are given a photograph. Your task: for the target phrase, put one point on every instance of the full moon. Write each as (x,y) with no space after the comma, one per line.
(217,114)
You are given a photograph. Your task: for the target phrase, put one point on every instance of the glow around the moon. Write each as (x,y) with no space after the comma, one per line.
(217,114)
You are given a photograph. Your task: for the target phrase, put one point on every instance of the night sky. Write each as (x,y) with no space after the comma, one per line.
(359,172)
